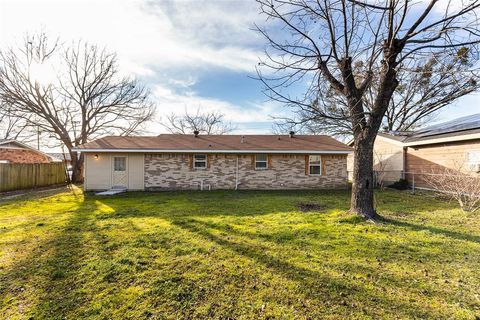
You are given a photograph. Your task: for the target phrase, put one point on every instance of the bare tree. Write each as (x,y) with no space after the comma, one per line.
(203,122)
(14,128)
(323,43)
(84,98)
(381,164)
(427,88)
(422,92)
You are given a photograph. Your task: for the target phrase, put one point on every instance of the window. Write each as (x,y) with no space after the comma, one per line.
(315,165)
(473,157)
(199,161)
(119,164)
(260,162)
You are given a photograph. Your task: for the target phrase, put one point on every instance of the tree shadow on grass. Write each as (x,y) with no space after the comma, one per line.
(20,196)
(47,283)
(321,288)
(62,293)
(296,238)
(216,203)
(394,200)
(287,239)
(435,230)
(58,275)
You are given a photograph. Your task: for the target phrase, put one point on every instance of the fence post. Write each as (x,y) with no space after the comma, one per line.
(413,182)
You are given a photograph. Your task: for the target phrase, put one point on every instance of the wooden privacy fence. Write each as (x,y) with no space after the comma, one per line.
(16,176)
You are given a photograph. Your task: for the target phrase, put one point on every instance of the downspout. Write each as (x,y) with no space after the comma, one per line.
(236,175)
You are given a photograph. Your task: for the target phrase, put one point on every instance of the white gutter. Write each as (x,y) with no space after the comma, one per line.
(212,151)
(443,140)
(428,140)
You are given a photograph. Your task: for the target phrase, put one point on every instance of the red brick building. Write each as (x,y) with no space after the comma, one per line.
(12,151)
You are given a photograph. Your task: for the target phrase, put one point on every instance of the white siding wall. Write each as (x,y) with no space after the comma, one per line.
(136,171)
(98,172)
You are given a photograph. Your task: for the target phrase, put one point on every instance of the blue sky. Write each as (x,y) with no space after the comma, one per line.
(191,54)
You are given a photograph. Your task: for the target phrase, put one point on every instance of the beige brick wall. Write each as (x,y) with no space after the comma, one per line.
(174,171)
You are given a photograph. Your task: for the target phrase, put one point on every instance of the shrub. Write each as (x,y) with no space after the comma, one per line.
(463,187)
(401,184)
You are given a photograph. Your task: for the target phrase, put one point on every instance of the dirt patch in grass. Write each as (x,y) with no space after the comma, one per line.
(308,207)
(401,214)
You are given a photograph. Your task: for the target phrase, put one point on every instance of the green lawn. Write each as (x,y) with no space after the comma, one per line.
(236,255)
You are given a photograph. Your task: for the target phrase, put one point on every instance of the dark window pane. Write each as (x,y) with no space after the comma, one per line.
(200,164)
(260,165)
(314,169)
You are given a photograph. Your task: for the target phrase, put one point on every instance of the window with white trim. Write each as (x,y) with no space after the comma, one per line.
(315,165)
(261,162)
(119,164)
(200,161)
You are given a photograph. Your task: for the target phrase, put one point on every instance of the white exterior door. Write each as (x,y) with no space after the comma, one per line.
(120,174)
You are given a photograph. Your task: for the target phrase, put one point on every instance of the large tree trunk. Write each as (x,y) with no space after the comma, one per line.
(362,201)
(77,167)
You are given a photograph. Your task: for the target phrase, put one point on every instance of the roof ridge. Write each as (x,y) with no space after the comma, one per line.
(218,142)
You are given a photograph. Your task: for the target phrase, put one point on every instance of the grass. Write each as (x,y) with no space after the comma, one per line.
(236,255)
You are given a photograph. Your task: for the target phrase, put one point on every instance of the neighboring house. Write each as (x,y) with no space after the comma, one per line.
(192,162)
(451,145)
(12,151)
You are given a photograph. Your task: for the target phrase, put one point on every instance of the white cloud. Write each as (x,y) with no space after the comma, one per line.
(167,43)
(254,112)
(147,36)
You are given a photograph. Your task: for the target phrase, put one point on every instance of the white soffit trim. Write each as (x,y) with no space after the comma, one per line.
(391,140)
(442,140)
(388,139)
(212,151)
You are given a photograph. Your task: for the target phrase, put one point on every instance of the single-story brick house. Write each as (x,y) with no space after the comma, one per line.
(12,151)
(192,162)
(454,145)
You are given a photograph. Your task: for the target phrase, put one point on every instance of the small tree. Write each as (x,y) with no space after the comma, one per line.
(457,183)
(380,168)
(75,93)
(203,122)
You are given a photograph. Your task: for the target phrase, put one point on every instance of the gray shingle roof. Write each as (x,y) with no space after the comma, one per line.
(453,128)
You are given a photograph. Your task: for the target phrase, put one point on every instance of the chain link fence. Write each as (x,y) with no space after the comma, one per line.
(415,180)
